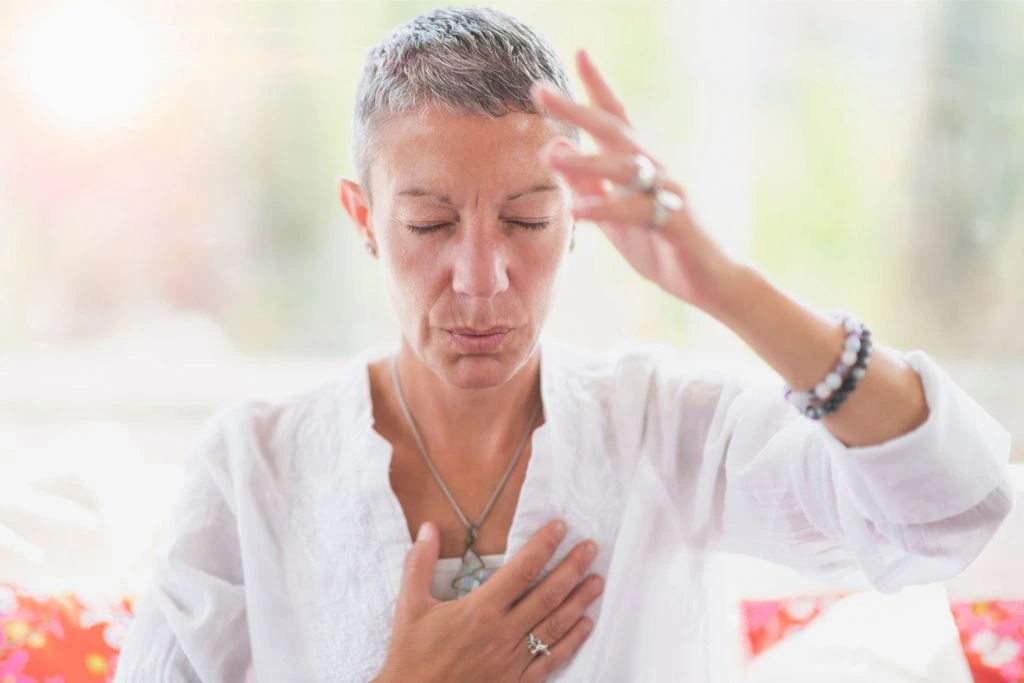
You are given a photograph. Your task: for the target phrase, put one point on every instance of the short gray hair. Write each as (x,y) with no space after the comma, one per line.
(462,59)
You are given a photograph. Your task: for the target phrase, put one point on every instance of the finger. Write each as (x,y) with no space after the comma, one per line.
(515,578)
(585,187)
(598,89)
(542,666)
(618,168)
(558,623)
(674,187)
(631,208)
(414,596)
(591,176)
(588,187)
(544,600)
(605,127)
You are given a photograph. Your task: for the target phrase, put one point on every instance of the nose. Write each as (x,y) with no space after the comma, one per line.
(480,262)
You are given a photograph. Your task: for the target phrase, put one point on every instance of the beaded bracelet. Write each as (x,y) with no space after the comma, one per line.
(828,395)
(834,380)
(857,372)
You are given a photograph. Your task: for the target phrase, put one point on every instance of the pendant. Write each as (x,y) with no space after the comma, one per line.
(472,573)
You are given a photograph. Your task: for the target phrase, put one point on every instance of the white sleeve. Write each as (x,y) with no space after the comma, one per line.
(748,473)
(191,622)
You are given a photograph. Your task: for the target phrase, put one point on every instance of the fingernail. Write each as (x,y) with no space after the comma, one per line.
(559,152)
(589,550)
(560,529)
(424,533)
(588,626)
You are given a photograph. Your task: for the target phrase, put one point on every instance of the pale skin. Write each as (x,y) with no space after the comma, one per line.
(488,263)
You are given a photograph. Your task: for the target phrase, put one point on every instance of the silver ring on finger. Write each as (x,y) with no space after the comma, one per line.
(536,645)
(665,203)
(646,175)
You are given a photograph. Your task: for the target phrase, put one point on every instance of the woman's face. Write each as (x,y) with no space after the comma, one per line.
(471,228)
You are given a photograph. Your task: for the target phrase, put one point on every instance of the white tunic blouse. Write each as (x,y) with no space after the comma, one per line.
(286,554)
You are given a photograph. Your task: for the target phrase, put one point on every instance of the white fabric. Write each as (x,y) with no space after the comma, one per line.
(287,549)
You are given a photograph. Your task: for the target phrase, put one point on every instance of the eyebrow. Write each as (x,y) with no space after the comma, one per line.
(445,199)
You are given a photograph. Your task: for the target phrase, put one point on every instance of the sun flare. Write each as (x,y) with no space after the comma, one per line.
(87,66)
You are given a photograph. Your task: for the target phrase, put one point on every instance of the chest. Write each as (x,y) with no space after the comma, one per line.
(342,565)
(472,489)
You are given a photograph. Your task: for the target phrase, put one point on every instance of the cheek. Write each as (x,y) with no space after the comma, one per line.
(415,280)
(539,265)
(414,284)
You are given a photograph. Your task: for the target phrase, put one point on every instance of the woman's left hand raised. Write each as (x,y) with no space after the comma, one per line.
(678,255)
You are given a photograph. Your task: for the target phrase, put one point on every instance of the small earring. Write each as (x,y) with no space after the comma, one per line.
(370,249)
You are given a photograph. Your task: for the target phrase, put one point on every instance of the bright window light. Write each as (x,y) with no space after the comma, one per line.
(86,66)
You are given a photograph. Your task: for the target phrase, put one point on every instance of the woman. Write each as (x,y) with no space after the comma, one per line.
(575,498)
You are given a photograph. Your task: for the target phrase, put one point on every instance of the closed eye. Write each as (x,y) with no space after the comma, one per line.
(427,229)
(532,226)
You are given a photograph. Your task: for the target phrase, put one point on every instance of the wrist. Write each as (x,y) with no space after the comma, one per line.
(732,292)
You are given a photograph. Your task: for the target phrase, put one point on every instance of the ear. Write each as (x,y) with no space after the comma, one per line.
(358,209)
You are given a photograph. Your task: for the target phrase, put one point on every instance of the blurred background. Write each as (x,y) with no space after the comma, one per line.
(171,239)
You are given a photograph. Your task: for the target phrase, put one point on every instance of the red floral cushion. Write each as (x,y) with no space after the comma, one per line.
(770,621)
(992,638)
(59,638)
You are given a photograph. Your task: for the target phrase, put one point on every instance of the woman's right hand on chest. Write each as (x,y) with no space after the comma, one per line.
(482,637)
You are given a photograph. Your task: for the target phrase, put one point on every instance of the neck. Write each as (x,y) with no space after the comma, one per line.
(485,424)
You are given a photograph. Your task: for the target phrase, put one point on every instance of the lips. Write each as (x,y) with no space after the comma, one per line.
(476,340)
(474,332)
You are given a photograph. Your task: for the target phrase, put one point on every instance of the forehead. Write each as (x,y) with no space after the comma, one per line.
(436,146)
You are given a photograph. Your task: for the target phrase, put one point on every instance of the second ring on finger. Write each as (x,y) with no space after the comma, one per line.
(632,172)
